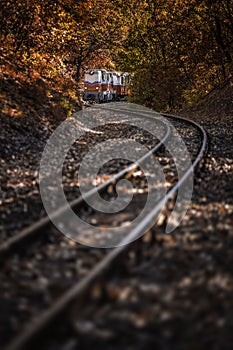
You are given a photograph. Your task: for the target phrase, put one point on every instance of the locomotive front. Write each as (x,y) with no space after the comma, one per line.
(98,86)
(104,86)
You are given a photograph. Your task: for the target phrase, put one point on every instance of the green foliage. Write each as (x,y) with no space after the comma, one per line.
(178,49)
(67,105)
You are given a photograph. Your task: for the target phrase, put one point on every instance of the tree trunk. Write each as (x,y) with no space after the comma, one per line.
(219,38)
(79,65)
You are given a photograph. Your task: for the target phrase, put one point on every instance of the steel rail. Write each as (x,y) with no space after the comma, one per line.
(10,246)
(21,341)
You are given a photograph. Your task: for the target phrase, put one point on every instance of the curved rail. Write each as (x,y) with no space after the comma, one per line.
(80,288)
(29,233)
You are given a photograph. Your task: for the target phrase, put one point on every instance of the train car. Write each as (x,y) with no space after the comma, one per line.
(104,86)
(123,87)
(98,86)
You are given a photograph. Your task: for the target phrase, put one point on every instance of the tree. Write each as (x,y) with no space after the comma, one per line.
(179,49)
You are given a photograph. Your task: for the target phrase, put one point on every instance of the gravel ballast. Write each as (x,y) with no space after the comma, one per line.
(180,294)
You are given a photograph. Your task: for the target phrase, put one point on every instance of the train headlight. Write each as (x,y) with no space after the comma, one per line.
(97,88)
(85,88)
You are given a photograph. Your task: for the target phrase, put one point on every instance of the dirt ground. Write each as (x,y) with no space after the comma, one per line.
(180,296)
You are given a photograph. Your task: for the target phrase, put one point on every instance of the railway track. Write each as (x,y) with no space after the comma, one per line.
(95,265)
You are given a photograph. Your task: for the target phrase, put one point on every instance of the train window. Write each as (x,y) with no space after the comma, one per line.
(91,76)
(110,77)
(103,76)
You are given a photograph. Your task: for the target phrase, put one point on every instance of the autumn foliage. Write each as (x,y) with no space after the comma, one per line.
(177,49)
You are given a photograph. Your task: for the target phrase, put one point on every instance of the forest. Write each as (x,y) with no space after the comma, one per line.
(177,50)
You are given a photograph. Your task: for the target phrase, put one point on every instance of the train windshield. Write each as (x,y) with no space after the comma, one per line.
(92,77)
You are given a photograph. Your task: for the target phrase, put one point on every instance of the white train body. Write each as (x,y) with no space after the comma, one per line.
(104,86)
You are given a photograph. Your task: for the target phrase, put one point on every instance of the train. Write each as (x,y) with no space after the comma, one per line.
(101,85)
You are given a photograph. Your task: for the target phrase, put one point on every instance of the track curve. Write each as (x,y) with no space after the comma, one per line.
(80,289)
